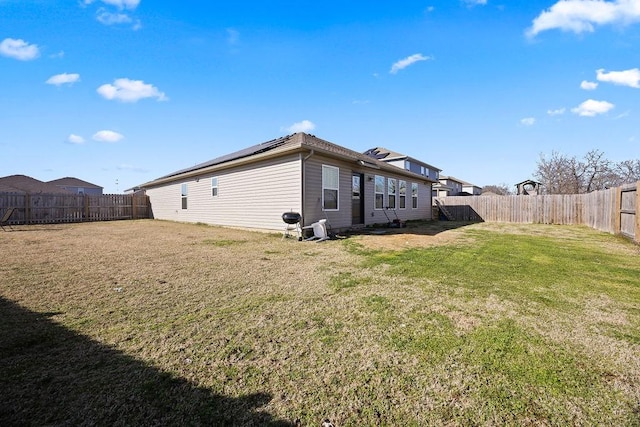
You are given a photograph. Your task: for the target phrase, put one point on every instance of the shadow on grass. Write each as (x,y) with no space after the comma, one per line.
(422,228)
(50,375)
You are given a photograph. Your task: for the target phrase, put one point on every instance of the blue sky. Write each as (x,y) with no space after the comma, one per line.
(119,92)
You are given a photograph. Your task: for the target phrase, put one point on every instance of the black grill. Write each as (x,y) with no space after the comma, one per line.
(291,217)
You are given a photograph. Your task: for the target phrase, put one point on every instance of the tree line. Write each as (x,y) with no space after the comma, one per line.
(563,174)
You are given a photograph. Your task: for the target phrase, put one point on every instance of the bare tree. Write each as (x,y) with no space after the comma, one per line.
(561,174)
(500,189)
(627,171)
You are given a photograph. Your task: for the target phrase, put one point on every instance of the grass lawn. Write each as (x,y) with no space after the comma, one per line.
(160,323)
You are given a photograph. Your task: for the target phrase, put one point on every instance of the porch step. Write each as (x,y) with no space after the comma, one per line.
(444,210)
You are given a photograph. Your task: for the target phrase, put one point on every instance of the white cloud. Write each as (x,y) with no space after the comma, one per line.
(233,36)
(475,2)
(107,136)
(528,121)
(588,85)
(108,18)
(75,139)
(581,15)
(629,78)
(409,60)
(120,4)
(64,78)
(131,168)
(591,108)
(19,49)
(126,90)
(557,112)
(303,126)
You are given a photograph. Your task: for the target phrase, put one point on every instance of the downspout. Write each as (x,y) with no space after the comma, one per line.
(304,184)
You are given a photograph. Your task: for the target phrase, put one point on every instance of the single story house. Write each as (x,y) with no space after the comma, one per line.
(253,187)
(77,186)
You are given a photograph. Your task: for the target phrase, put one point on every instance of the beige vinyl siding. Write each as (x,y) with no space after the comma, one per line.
(342,218)
(313,212)
(250,196)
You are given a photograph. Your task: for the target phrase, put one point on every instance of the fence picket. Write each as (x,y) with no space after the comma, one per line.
(60,208)
(614,210)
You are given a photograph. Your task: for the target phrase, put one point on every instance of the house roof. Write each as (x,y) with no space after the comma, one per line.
(26,184)
(382,153)
(298,142)
(72,182)
(387,155)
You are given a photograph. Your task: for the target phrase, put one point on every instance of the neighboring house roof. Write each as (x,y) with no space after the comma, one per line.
(298,142)
(73,182)
(26,184)
(387,155)
(451,178)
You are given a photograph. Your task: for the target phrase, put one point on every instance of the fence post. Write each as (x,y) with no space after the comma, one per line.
(27,208)
(617,211)
(637,214)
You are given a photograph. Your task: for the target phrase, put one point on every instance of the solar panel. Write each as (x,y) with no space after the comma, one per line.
(245,152)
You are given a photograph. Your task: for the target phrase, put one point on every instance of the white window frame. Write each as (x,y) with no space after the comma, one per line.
(214,186)
(376,192)
(392,191)
(402,197)
(414,195)
(184,192)
(326,186)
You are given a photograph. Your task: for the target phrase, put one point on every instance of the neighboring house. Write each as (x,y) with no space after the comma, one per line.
(404,162)
(447,186)
(23,184)
(450,186)
(77,186)
(471,189)
(252,188)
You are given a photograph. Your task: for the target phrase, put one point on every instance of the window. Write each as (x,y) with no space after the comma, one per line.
(414,195)
(421,170)
(379,191)
(183,190)
(402,186)
(330,187)
(391,193)
(214,186)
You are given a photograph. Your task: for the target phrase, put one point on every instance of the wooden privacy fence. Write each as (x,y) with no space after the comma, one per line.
(58,208)
(614,210)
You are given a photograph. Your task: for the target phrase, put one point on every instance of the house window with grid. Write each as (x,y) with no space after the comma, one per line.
(392,192)
(379,191)
(183,191)
(330,187)
(414,195)
(214,186)
(402,188)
